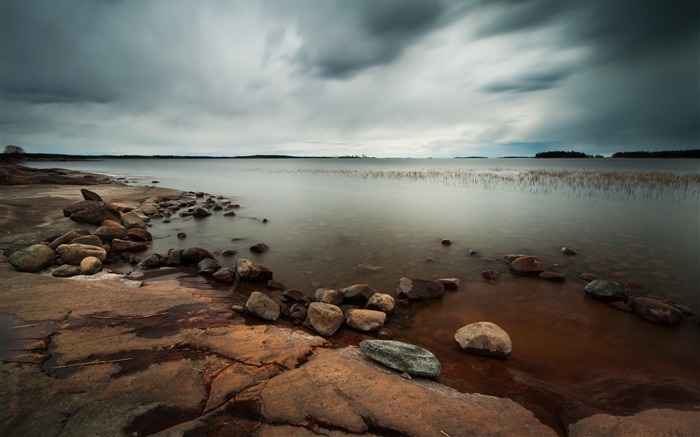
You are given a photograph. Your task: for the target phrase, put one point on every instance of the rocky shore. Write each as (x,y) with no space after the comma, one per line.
(95,352)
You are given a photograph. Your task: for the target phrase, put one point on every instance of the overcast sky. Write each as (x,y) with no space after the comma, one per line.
(375,77)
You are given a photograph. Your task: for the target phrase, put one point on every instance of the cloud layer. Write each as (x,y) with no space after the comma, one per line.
(382,78)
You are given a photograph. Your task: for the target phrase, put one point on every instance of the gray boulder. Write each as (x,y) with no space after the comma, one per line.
(260,305)
(605,291)
(324,318)
(250,271)
(32,258)
(208,266)
(419,288)
(75,253)
(484,338)
(656,311)
(403,357)
(364,320)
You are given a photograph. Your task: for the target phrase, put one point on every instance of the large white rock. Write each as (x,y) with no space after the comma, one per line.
(484,338)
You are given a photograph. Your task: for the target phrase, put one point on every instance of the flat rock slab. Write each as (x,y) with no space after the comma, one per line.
(655,422)
(403,357)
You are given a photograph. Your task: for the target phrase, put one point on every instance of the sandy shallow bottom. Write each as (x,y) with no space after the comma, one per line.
(572,357)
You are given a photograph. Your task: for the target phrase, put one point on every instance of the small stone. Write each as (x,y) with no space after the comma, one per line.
(294,295)
(153,261)
(66,271)
(446,242)
(252,272)
(407,376)
(238,308)
(568,251)
(450,283)
(490,275)
(403,357)
(484,338)
(357,294)
(138,234)
(334,297)
(605,291)
(230,214)
(128,246)
(181,235)
(90,265)
(527,264)
(259,248)
(588,277)
(208,266)
(194,255)
(228,252)
(274,285)
(551,276)
(419,288)
(225,275)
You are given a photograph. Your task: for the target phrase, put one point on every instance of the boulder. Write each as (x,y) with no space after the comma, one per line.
(250,271)
(357,294)
(194,255)
(208,266)
(138,234)
(334,297)
(419,288)
(490,275)
(92,211)
(111,231)
(294,295)
(224,275)
(153,261)
(132,220)
(450,283)
(552,276)
(298,312)
(527,264)
(605,291)
(174,257)
(484,338)
(128,246)
(149,209)
(63,239)
(200,212)
(381,302)
(364,320)
(90,240)
(74,253)
(324,318)
(259,248)
(32,258)
(90,265)
(66,271)
(90,195)
(403,357)
(656,311)
(260,305)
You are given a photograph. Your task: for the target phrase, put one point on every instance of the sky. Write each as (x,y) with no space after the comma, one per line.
(384,78)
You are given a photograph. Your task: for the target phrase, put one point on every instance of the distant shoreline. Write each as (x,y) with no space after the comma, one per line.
(19,157)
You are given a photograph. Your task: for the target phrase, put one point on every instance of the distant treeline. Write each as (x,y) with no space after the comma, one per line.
(694,153)
(5,157)
(561,154)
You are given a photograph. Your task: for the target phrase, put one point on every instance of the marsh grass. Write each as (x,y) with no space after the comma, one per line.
(579,183)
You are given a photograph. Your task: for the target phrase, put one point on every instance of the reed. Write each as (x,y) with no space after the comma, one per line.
(580,183)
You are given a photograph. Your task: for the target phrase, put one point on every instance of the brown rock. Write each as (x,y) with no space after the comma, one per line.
(224,275)
(250,271)
(450,283)
(64,239)
(333,297)
(138,234)
(568,251)
(262,306)
(90,265)
(419,288)
(131,220)
(655,422)
(527,264)
(446,242)
(91,240)
(259,248)
(656,311)
(324,318)
(128,246)
(484,338)
(491,275)
(381,302)
(364,320)
(194,255)
(357,294)
(92,211)
(90,195)
(75,253)
(110,231)
(552,276)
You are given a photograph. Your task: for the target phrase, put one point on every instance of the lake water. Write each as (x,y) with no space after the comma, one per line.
(631,220)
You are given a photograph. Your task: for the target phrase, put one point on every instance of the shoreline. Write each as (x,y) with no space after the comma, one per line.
(189,307)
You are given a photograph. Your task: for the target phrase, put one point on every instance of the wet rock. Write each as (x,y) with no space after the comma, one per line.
(250,271)
(200,212)
(275,285)
(513,257)
(490,275)
(364,320)
(90,265)
(110,231)
(403,357)
(208,266)
(74,253)
(174,257)
(381,302)
(149,209)
(92,212)
(552,276)
(450,283)
(64,239)
(588,277)
(656,311)
(259,248)
(131,220)
(298,312)
(527,264)
(194,255)
(32,258)
(225,275)
(90,195)
(294,295)
(228,252)
(138,234)
(181,235)
(230,214)
(368,268)
(622,306)
(654,422)
(357,294)
(568,251)
(260,305)
(484,338)
(419,288)
(687,312)
(334,297)
(66,271)
(446,242)
(153,261)
(91,240)
(324,318)
(605,291)
(128,246)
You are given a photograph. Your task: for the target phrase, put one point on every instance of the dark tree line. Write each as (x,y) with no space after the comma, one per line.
(694,153)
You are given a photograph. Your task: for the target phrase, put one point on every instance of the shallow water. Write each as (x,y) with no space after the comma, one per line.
(630,220)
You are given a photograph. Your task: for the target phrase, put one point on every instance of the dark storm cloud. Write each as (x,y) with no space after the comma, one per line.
(343,38)
(536,81)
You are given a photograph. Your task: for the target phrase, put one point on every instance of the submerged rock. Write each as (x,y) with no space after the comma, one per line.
(450,283)
(484,338)
(656,311)
(490,275)
(250,271)
(194,255)
(403,357)
(208,266)
(259,248)
(605,291)
(527,264)
(552,276)
(419,288)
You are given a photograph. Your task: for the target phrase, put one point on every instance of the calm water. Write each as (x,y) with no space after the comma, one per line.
(630,220)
